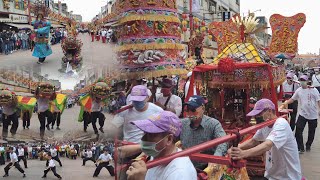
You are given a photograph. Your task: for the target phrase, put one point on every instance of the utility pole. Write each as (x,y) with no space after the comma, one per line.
(29,13)
(191,18)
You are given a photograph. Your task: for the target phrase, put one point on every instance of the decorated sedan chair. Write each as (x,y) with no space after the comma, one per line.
(242,73)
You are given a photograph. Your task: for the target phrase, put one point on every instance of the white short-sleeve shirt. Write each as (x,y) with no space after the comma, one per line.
(105,158)
(308,102)
(180,168)
(13,157)
(282,160)
(43,104)
(130,131)
(175,102)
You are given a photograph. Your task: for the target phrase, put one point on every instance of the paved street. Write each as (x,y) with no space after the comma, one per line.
(70,128)
(70,170)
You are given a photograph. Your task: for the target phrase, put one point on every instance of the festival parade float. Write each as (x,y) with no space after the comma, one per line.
(71,46)
(244,72)
(149,39)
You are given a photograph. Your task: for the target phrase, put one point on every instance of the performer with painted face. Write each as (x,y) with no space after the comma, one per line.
(91,105)
(42,29)
(45,93)
(10,104)
(8,101)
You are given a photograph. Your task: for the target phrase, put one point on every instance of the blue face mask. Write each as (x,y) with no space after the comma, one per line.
(138,105)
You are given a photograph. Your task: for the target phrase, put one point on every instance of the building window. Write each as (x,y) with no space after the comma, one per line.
(21,4)
(212,6)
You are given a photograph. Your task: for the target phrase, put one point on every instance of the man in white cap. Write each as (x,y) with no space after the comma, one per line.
(308,98)
(277,141)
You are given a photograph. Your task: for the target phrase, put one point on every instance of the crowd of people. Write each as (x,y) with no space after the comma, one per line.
(98,153)
(23,39)
(106,35)
(11,41)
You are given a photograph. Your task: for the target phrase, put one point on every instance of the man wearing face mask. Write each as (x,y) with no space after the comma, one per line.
(166,100)
(277,141)
(289,87)
(142,109)
(161,133)
(316,79)
(198,128)
(308,98)
(135,83)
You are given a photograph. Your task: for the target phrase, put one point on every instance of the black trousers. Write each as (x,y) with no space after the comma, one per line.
(56,117)
(56,158)
(88,159)
(24,159)
(293,114)
(2,162)
(6,121)
(53,169)
(42,59)
(102,118)
(86,120)
(42,118)
(26,119)
(104,165)
(16,164)
(91,118)
(300,125)
(97,115)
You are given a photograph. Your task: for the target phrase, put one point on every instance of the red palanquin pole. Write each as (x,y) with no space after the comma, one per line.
(209,144)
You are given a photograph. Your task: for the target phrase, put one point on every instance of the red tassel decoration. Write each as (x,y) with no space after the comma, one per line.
(226,65)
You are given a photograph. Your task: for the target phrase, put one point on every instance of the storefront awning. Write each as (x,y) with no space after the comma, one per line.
(110,23)
(20,26)
(57,26)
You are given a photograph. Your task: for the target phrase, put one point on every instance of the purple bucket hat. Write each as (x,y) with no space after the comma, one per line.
(304,77)
(261,105)
(166,121)
(139,93)
(290,75)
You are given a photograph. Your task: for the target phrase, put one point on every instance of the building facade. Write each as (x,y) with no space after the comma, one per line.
(15,13)
(77,18)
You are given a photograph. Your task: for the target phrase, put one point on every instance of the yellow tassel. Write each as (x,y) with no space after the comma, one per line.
(149,17)
(150,46)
